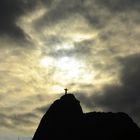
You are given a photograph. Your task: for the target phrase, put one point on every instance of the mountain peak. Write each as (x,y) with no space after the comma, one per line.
(68,97)
(67,105)
(66,120)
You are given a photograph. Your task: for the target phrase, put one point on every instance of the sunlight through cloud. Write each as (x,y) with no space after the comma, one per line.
(68,70)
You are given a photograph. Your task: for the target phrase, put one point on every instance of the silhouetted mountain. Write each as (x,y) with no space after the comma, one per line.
(66,120)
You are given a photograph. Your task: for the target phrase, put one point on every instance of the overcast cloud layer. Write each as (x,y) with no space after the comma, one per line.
(98,38)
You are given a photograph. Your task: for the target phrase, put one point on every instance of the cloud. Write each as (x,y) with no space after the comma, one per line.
(77,49)
(120,5)
(59,11)
(124,97)
(101,35)
(10,13)
(24,117)
(42,109)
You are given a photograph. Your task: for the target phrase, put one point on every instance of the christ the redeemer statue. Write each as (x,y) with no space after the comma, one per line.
(66,91)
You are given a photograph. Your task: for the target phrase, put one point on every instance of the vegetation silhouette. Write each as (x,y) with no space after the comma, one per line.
(66,120)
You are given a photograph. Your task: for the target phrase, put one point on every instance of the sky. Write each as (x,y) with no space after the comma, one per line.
(91,47)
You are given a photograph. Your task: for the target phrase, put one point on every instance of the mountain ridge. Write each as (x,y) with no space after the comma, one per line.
(66,120)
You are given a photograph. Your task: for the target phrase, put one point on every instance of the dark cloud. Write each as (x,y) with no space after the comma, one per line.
(10,12)
(23,119)
(60,10)
(47,3)
(65,9)
(63,21)
(80,49)
(84,99)
(120,5)
(125,97)
(95,12)
(51,41)
(42,109)
(4,121)
(130,76)
(98,13)
(17,120)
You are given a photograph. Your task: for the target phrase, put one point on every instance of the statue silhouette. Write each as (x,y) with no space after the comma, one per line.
(66,91)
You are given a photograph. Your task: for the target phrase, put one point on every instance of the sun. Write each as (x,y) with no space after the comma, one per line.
(67,70)
(47,61)
(66,65)
(70,66)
